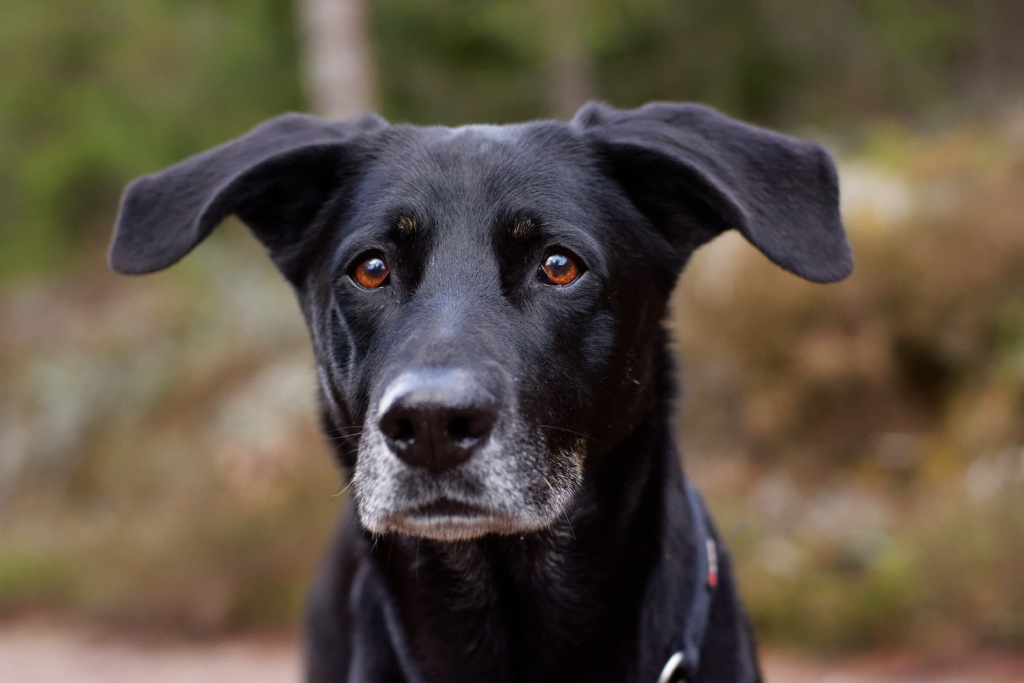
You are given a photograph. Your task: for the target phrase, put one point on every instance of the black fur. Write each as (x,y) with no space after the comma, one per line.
(549,540)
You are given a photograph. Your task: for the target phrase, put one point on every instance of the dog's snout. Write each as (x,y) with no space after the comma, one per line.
(437,418)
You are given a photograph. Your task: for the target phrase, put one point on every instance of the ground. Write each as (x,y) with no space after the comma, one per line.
(33,651)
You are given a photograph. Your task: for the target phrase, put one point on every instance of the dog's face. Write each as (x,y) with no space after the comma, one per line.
(484,301)
(484,317)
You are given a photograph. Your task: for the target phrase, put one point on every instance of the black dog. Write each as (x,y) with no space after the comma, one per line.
(486,308)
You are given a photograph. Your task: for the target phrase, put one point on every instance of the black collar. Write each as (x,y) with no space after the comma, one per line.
(682,665)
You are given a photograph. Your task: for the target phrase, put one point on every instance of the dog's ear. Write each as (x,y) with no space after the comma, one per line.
(275,178)
(694,172)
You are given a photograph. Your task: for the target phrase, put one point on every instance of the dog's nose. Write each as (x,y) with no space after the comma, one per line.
(437,418)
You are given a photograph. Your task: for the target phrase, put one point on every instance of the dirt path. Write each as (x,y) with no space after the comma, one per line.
(36,653)
(889,668)
(45,653)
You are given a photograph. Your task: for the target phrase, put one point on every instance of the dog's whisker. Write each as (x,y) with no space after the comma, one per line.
(346,430)
(574,432)
(349,452)
(344,489)
(566,515)
(343,437)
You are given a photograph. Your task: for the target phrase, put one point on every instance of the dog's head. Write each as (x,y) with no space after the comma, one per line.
(484,301)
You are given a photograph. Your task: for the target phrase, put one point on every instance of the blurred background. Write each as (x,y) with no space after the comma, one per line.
(862,444)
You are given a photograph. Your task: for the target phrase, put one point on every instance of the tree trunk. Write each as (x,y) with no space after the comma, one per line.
(339,69)
(570,73)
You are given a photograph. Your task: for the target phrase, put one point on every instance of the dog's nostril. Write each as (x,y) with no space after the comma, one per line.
(403,430)
(398,430)
(459,430)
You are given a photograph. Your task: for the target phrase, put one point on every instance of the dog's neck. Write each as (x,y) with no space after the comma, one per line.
(570,603)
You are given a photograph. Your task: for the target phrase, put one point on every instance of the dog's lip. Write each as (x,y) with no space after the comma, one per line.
(445,519)
(446,507)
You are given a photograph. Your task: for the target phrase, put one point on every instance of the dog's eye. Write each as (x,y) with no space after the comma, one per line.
(559,269)
(371,272)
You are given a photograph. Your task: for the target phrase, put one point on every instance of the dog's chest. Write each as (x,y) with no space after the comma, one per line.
(496,612)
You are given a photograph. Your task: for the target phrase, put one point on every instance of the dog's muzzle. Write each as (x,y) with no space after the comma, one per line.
(445,455)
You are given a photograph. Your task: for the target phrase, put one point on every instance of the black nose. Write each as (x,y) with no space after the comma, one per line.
(437,418)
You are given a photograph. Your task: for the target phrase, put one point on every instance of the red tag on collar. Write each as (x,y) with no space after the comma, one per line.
(712,563)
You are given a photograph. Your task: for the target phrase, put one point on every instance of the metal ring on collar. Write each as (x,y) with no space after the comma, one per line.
(671,666)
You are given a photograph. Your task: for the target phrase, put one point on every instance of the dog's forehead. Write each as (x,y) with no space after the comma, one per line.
(529,165)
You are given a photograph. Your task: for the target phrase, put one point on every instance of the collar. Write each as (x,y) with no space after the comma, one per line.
(682,665)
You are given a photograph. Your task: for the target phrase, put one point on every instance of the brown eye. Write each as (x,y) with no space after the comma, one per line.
(371,273)
(559,269)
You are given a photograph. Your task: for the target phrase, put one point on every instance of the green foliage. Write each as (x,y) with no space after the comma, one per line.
(453,62)
(782,61)
(93,94)
(774,61)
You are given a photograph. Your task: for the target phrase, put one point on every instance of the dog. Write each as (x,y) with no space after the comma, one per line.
(486,306)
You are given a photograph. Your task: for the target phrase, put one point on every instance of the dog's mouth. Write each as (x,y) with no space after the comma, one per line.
(445,519)
(514,486)
(445,507)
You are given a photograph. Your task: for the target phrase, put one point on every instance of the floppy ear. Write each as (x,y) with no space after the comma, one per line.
(275,178)
(694,172)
